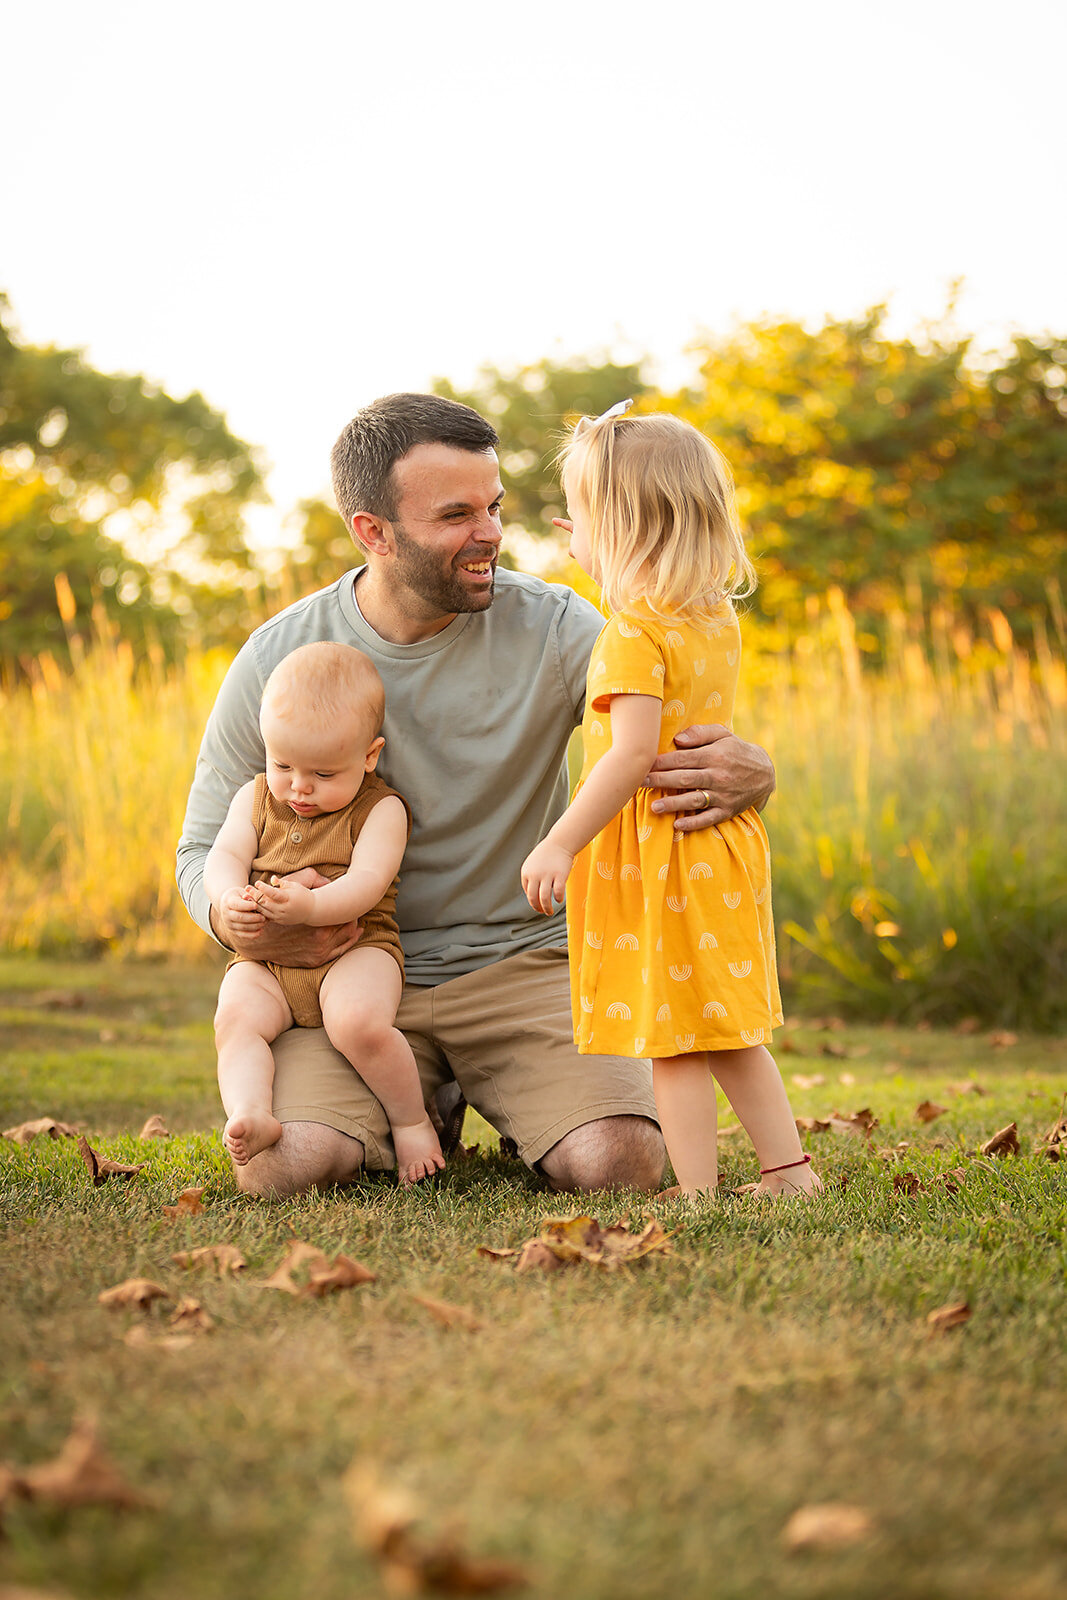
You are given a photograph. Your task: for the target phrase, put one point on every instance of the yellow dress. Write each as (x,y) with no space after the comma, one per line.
(671,940)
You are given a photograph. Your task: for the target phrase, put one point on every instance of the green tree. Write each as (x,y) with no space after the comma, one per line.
(132,497)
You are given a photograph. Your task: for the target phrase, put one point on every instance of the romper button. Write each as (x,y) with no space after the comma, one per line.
(296,836)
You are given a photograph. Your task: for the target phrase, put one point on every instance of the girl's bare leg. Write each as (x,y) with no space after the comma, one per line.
(753,1085)
(250,1015)
(359,998)
(688,1119)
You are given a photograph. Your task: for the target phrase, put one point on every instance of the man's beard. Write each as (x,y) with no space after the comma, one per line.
(422,572)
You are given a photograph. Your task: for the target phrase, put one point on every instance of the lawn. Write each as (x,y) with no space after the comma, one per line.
(610,1435)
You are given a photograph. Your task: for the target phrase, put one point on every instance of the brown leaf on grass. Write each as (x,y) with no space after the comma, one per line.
(449,1316)
(19,1591)
(966,1086)
(860,1124)
(808,1080)
(384,1516)
(1003,1039)
(139,1292)
(1054,1143)
(929,1111)
(830,1047)
(812,1125)
(102,1167)
(495,1255)
(141,1338)
(323,1277)
(908,1182)
(968,1025)
(190,1317)
(1005,1142)
(946,1317)
(847,1078)
(25,1131)
(564,1240)
(154,1128)
(535,1256)
(223,1257)
(82,1474)
(188,1203)
(832,1526)
(61,1000)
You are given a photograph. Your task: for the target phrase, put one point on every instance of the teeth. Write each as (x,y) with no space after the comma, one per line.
(478,566)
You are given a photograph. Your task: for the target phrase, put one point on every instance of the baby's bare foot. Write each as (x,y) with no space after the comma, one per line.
(418,1152)
(249,1132)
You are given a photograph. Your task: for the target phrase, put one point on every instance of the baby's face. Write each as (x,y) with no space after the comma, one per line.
(313,770)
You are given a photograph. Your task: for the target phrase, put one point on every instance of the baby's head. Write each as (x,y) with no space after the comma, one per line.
(321,718)
(652,501)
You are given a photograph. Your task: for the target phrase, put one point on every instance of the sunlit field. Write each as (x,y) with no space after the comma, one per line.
(917,829)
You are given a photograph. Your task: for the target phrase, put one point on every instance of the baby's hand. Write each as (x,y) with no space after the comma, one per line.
(544,876)
(282,900)
(239,908)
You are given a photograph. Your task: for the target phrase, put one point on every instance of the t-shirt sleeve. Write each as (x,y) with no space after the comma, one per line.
(628,659)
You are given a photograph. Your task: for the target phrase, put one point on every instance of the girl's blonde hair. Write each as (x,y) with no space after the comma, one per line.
(663,521)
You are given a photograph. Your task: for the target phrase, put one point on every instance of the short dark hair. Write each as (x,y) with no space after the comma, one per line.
(382,433)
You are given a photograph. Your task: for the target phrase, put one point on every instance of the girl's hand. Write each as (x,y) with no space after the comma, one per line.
(282,900)
(544,876)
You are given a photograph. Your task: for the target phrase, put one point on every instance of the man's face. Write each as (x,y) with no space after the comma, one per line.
(447,532)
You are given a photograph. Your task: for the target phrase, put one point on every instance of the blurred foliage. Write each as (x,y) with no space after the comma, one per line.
(94,465)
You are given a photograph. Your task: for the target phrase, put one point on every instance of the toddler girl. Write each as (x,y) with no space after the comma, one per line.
(671,939)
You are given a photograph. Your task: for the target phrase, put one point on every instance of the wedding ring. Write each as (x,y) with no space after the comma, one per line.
(707,801)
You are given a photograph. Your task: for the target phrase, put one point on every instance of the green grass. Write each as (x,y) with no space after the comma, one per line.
(627,1436)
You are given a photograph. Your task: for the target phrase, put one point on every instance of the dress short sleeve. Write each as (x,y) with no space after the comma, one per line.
(627,659)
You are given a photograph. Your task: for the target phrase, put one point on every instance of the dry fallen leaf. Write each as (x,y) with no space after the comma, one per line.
(154,1128)
(384,1515)
(1003,1039)
(812,1125)
(830,1047)
(846,1078)
(140,1337)
(908,1182)
(448,1315)
(563,1240)
(60,1000)
(223,1257)
(138,1292)
(1053,1142)
(190,1317)
(946,1317)
(966,1086)
(832,1526)
(82,1474)
(25,1131)
(1005,1142)
(968,1025)
(323,1278)
(101,1167)
(187,1204)
(929,1111)
(808,1080)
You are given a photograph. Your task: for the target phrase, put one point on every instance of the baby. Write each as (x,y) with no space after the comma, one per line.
(317,840)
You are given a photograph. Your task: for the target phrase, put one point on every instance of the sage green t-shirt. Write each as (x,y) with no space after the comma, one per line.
(477,721)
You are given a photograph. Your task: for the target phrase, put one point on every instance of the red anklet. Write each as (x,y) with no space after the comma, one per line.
(765,1172)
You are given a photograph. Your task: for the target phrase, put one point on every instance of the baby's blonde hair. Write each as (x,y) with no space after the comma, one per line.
(327,683)
(663,521)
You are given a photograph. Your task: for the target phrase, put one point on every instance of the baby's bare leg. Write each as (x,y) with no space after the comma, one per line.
(359,997)
(251,1013)
(753,1085)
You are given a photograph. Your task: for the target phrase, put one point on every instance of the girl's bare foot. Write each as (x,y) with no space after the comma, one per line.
(249,1132)
(418,1152)
(798,1178)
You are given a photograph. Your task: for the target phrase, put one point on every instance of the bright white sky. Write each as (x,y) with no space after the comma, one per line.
(296,208)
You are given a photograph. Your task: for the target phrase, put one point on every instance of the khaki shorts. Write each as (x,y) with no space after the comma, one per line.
(504,1033)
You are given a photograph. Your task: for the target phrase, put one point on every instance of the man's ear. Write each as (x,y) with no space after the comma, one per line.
(369,531)
(373,753)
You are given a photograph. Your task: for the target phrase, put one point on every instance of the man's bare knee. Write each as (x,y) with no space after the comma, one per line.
(309,1155)
(610,1153)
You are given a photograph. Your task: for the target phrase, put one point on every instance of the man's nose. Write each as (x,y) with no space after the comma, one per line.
(490,532)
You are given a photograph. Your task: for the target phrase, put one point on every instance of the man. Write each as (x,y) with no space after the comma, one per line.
(484,677)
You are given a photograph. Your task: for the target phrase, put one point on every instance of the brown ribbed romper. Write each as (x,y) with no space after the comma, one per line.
(287,843)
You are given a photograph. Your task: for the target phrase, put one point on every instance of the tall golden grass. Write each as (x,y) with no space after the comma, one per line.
(919,847)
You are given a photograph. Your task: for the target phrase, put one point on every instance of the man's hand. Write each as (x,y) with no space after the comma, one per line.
(289,946)
(710,761)
(544,875)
